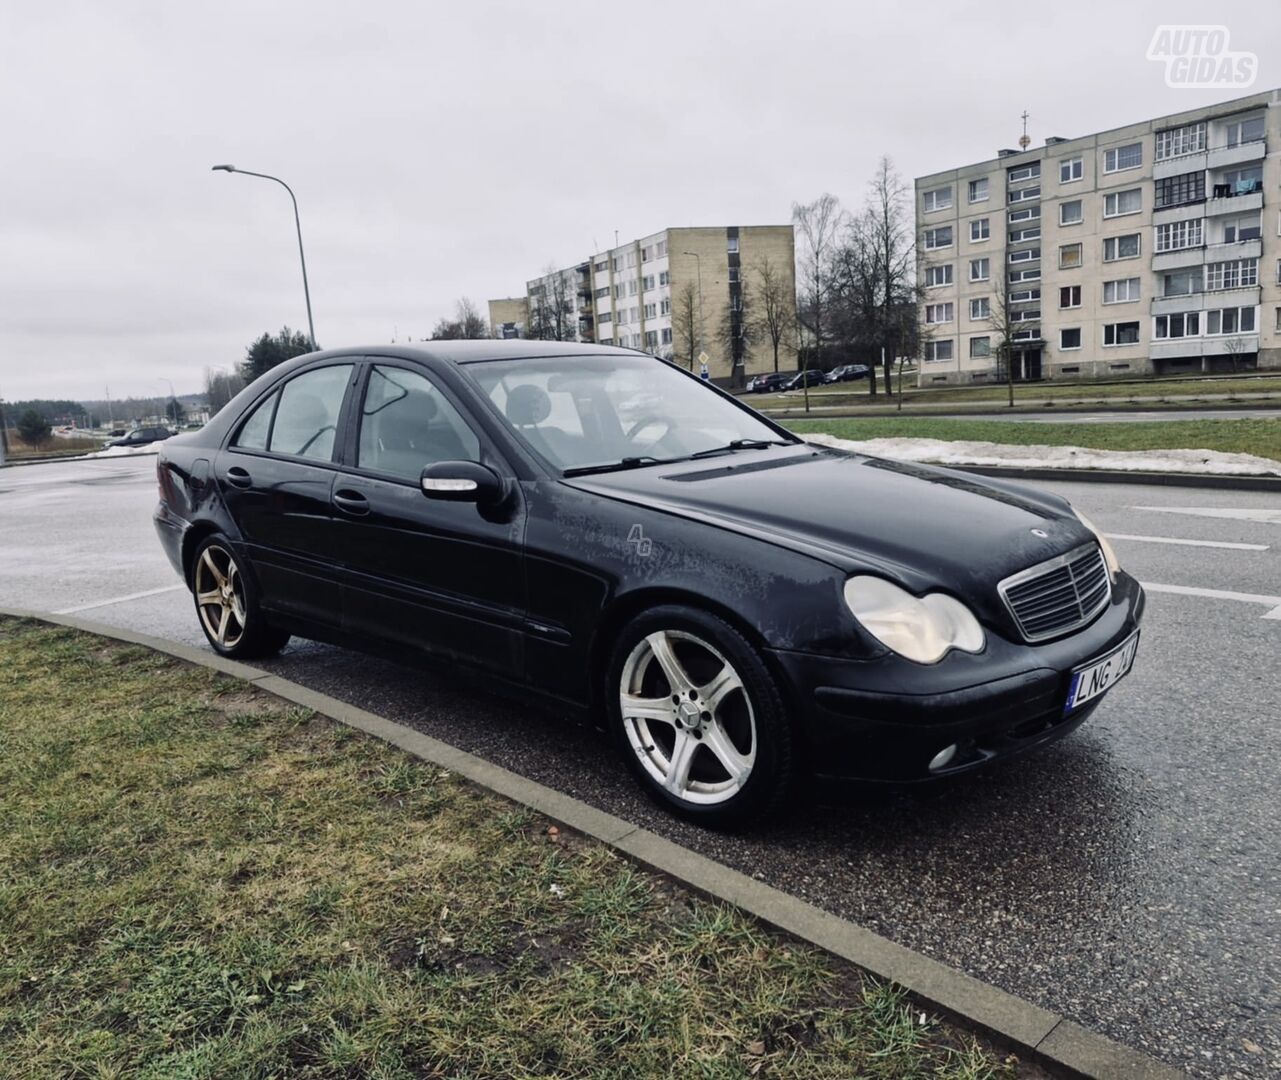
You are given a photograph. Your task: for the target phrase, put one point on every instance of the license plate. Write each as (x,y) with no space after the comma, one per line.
(1101,675)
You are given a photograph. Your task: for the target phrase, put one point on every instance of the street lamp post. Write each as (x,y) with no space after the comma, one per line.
(311,329)
(702,326)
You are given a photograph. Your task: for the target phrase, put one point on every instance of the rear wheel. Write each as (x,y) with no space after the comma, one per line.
(699,717)
(227,605)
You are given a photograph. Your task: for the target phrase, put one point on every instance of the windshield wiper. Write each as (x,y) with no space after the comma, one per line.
(740,444)
(614,466)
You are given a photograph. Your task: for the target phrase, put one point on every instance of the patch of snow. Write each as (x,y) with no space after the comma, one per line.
(126,451)
(940,452)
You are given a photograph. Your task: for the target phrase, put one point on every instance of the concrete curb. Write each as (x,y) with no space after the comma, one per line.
(1114,476)
(1042,1035)
(961,411)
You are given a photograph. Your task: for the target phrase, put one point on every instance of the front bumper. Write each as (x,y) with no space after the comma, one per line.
(884,720)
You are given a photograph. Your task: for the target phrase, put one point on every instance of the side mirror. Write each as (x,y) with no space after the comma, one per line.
(463,481)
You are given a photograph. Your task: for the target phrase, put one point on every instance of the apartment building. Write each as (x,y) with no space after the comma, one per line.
(1148,249)
(508,317)
(649,294)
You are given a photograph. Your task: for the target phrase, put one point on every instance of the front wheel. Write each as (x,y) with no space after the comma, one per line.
(699,717)
(227,605)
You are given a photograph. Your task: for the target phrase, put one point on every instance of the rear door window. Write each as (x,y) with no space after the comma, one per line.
(254,431)
(306,423)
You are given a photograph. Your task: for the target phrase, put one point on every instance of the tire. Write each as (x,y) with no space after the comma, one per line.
(725,766)
(230,616)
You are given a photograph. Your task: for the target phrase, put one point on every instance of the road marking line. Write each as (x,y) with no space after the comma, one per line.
(1273,602)
(1267,517)
(1189,543)
(119,599)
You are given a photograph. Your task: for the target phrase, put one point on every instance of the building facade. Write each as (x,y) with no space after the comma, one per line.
(672,293)
(1149,249)
(508,317)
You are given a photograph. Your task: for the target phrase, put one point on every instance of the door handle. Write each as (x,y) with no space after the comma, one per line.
(351,502)
(238,477)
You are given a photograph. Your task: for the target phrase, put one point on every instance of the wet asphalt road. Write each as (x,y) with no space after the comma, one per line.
(1129,877)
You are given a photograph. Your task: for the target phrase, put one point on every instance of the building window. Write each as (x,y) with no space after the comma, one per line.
(651,339)
(1233,274)
(978,190)
(1118,203)
(1070,338)
(1123,291)
(602,266)
(1175,142)
(1026,315)
(664,278)
(1121,247)
(938,238)
(617,263)
(1033,274)
(651,311)
(1019,236)
(981,269)
(1032,213)
(980,308)
(1279,318)
(1245,131)
(1243,181)
(1120,158)
(1069,256)
(938,275)
(1236,230)
(1026,255)
(605,316)
(647,253)
(1230,321)
(1024,172)
(1070,213)
(980,348)
(601,294)
(1071,169)
(1177,235)
(938,313)
(647,282)
(665,335)
(980,229)
(938,199)
(631,287)
(660,249)
(1180,190)
(1022,296)
(618,291)
(731,245)
(1025,194)
(1182,282)
(938,350)
(631,259)
(665,306)
(1070,296)
(1183,324)
(1121,333)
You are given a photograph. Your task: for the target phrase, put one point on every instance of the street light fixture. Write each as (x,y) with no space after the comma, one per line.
(311,329)
(702,326)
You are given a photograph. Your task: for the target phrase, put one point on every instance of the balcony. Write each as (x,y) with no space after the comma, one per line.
(1225,203)
(1242,249)
(1175,260)
(1186,212)
(1177,166)
(1246,296)
(1175,348)
(1222,156)
(1173,305)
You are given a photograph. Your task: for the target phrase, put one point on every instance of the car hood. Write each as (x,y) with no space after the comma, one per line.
(926,527)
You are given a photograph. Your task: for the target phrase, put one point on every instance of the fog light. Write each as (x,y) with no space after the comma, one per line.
(942,758)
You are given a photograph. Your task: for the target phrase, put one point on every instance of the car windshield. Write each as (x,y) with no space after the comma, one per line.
(584,411)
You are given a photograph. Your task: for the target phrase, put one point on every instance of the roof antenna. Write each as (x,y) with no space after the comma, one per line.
(1024,140)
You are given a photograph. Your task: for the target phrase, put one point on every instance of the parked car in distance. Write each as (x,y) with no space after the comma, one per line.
(602,532)
(847,373)
(809,377)
(768,383)
(142,436)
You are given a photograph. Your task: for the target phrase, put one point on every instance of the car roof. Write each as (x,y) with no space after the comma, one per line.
(476,351)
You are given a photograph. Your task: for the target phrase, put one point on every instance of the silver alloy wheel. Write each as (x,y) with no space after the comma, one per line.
(220,596)
(693,731)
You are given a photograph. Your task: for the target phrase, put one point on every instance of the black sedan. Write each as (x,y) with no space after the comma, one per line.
(142,436)
(809,377)
(605,533)
(847,373)
(768,383)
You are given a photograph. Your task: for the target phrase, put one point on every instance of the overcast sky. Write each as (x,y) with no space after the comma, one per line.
(447,149)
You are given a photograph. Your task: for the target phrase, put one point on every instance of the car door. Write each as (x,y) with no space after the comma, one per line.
(438,576)
(276,475)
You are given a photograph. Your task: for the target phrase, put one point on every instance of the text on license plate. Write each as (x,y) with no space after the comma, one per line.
(1101,675)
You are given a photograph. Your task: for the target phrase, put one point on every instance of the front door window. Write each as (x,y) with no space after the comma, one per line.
(406,423)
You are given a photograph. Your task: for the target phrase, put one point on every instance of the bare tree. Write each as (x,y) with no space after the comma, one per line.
(1001,319)
(551,307)
(1234,347)
(467,323)
(891,242)
(818,224)
(774,304)
(685,323)
(737,331)
(221,386)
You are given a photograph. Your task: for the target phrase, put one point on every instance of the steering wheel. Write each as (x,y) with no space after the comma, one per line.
(302,452)
(644,422)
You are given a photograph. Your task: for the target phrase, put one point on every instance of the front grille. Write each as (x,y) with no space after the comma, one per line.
(1056,597)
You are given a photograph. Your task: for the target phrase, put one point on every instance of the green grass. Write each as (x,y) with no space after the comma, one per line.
(198,880)
(1251,436)
(1114,393)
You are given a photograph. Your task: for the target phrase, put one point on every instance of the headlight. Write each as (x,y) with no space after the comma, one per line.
(919,628)
(1109,556)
